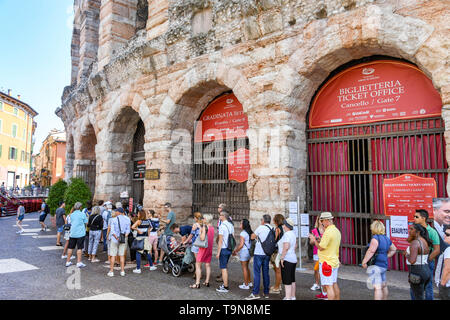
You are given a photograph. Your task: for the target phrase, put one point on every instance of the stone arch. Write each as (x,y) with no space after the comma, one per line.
(85,164)
(174,126)
(325,45)
(114,174)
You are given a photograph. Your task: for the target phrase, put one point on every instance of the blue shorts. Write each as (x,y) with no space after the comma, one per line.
(195,249)
(21,217)
(224,256)
(377,274)
(60,229)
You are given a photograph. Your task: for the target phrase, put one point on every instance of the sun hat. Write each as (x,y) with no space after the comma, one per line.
(326,216)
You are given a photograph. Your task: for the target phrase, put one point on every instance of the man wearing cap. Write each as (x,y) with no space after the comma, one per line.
(328,255)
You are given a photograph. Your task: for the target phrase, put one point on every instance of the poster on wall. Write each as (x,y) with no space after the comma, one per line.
(223,119)
(402,196)
(239,165)
(375,91)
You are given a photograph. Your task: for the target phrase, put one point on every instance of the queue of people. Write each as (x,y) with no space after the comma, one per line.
(273,242)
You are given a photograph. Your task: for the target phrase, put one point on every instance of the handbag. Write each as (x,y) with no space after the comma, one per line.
(122,235)
(414,278)
(66,227)
(137,245)
(372,260)
(202,243)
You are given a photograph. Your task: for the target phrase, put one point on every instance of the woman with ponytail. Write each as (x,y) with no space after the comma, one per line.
(417,260)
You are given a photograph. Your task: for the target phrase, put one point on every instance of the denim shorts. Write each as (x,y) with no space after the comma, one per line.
(377,274)
(194,249)
(60,229)
(244,255)
(224,257)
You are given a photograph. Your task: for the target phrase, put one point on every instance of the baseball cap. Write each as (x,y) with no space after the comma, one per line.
(120,210)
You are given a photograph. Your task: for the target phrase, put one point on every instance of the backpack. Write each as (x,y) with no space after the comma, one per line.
(270,244)
(47,209)
(231,240)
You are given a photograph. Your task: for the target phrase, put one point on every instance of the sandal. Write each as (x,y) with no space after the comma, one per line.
(195,286)
(206,284)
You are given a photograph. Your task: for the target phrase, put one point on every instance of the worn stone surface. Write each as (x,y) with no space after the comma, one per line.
(272,54)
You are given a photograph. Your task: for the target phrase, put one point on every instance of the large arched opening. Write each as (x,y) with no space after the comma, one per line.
(85,163)
(220,162)
(372,119)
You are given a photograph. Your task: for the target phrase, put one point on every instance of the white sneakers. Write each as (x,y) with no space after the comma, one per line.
(315,287)
(253,297)
(68,264)
(137,271)
(81,265)
(111,274)
(244,287)
(152,268)
(95,260)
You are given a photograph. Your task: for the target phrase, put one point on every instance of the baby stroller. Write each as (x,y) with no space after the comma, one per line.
(178,259)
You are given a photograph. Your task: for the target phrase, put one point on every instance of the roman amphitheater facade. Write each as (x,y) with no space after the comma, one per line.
(163,62)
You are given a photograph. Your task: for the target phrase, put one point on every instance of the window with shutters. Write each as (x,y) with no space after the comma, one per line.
(14,130)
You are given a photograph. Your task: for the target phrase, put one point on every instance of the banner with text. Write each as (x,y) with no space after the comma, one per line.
(402,196)
(239,165)
(375,91)
(223,119)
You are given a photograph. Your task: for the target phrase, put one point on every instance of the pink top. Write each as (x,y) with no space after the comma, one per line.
(205,254)
(315,232)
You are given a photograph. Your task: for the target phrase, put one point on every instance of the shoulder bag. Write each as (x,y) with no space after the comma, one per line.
(414,278)
(202,243)
(122,235)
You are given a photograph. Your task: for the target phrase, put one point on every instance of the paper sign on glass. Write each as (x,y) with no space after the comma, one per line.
(304,219)
(293,217)
(399,226)
(293,207)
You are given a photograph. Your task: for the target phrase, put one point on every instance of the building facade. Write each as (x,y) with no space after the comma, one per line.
(16,140)
(49,163)
(146,75)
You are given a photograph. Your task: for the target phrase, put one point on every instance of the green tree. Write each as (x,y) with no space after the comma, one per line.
(56,195)
(77,191)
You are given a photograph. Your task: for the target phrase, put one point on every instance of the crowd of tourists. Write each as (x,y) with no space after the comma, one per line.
(274,242)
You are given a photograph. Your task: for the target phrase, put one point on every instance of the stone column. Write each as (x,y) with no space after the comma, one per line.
(117,26)
(75,46)
(158,18)
(89,22)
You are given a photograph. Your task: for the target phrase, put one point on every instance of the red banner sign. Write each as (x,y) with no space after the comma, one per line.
(223,119)
(402,196)
(375,91)
(239,165)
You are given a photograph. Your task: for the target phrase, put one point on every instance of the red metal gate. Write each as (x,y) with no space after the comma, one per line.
(347,165)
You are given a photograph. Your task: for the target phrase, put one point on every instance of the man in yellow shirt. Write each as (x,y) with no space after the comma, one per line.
(329,256)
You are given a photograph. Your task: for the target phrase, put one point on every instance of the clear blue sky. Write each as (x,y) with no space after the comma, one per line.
(35,38)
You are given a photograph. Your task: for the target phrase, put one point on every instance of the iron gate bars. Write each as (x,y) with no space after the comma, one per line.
(347,165)
(87,173)
(211,185)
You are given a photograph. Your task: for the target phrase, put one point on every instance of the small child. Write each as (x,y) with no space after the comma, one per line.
(170,239)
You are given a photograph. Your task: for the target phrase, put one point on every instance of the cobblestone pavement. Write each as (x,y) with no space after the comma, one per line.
(45,277)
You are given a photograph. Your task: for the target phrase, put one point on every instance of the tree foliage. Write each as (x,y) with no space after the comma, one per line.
(56,195)
(77,191)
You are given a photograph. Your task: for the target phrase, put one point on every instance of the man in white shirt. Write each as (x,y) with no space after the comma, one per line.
(260,259)
(119,224)
(223,252)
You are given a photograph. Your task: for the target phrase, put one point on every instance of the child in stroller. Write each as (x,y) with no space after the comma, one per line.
(178,257)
